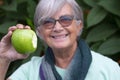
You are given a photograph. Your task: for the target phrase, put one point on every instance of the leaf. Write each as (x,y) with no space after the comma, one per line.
(22,10)
(4,27)
(91,3)
(1,36)
(112,6)
(31,8)
(10,7)
(110,47)
(95,46)
(30,23)
(118,21)
(21,1)
(14,16)
(83,5)
(101,32)
(96,15)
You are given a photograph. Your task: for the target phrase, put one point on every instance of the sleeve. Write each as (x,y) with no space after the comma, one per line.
(21,73)
(28,71)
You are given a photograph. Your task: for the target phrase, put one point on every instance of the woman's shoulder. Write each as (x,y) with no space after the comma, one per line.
(34,61)
(100,61)
(99,57)
(105,67)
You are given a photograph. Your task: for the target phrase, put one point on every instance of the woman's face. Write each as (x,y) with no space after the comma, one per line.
(60,37)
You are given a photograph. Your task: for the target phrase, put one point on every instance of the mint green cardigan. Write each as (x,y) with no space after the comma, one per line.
(101,68)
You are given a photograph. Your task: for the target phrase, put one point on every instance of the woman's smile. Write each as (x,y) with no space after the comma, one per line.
(60,37)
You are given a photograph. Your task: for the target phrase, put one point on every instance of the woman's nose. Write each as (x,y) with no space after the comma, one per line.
(58,27)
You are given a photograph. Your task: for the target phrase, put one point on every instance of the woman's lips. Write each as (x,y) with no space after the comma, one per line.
(60,37)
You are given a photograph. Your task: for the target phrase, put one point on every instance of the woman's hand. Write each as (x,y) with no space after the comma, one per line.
(6,49)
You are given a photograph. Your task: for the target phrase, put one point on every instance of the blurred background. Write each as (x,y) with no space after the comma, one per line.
(101,25)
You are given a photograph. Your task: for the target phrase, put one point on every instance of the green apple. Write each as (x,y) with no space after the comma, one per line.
(24,41)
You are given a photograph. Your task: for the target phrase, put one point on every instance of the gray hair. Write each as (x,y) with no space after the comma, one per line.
(47,8)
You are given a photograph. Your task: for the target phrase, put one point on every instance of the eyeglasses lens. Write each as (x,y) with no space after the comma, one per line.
(65,21)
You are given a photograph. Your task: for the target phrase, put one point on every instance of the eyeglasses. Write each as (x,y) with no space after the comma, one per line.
(65,21)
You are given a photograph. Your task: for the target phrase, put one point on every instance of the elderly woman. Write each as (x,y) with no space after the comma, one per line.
(59,24)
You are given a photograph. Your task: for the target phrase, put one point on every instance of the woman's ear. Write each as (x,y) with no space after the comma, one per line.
(39,33)
(79,27)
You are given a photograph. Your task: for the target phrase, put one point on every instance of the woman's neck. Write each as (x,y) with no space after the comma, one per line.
(64,56)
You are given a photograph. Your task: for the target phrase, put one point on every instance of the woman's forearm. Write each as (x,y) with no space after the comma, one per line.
(4,64)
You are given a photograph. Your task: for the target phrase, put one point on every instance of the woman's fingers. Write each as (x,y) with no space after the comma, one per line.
(12,28)
(18,26)
(7,37)
(27,27)
(21,26)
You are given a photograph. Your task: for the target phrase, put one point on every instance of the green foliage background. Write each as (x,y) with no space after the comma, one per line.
(101,25)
